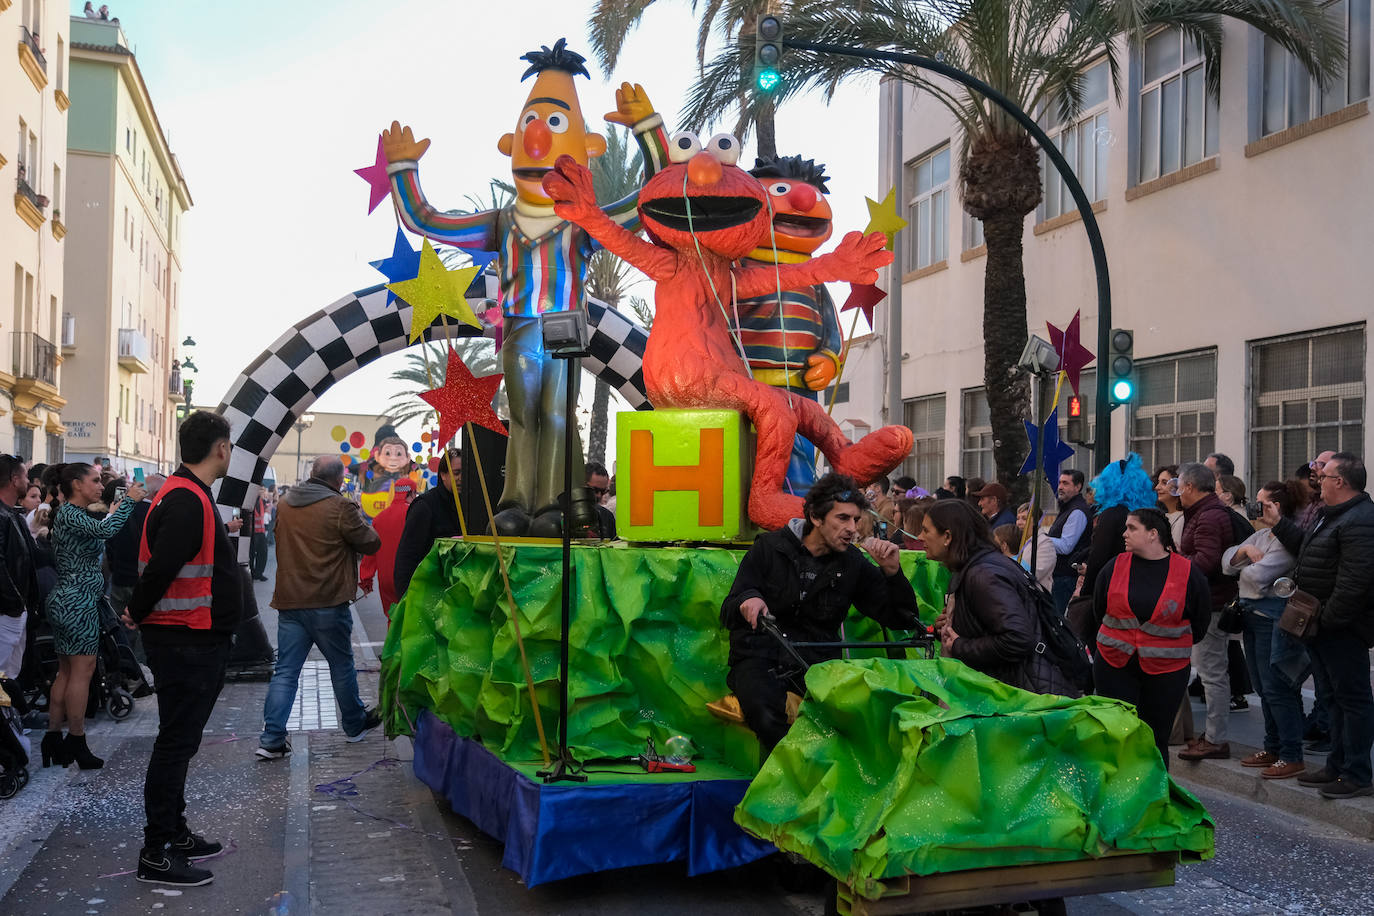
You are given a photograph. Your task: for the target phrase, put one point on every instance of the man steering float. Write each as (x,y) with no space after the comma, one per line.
(806,576)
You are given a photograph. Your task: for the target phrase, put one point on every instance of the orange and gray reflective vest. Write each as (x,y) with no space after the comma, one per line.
(1165,641)
(187,600)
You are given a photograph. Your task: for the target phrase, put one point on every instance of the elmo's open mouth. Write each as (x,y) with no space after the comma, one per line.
(799,226)
(701,213)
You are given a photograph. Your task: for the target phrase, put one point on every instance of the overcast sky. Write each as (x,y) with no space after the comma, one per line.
(270,106)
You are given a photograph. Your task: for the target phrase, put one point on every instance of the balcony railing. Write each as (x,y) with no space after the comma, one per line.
(32,41)
(134,352)
(38,200)
(34,357)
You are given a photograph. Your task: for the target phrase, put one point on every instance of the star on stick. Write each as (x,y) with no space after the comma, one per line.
(882,217)
(436,291)
(464,399)
(1073,356)
(1056,450)
(378,182)
(864,297)
(404,264)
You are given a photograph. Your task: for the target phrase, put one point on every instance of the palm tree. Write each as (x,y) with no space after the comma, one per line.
(425,368)
(615,174)
(1033,52)
(733,20)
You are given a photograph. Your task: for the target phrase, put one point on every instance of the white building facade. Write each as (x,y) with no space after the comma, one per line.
(33,158)
(1238,239)
(123,270)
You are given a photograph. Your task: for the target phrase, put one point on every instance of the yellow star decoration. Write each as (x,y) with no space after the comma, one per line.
(882,217)
(434,291)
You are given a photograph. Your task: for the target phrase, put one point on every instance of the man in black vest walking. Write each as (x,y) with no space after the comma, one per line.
(1067,534)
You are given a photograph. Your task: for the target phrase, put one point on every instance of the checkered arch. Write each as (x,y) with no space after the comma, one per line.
(285,380)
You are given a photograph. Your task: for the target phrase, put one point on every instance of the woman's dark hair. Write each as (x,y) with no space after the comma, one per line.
(1171,468)
(1233,486)
(904,483)
(824,493)
(915,514)
(107,495)
(70,474)
(966,527)
(957,482)
(199,433)
(1156,521)
(51,476)
(1290,495)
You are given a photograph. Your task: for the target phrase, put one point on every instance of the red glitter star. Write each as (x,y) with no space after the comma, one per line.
(464,399)
(864,297)
(1073,356)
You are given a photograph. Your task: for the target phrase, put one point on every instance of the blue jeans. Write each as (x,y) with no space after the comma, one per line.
(1340,664)
(1063,590)
(330,628)
(1280,696)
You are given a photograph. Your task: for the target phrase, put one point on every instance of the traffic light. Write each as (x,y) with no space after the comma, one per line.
(1121,365)
(767,54)
(1075,431)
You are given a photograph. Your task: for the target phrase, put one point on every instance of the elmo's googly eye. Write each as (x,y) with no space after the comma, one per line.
(682,146)
(779,188)
(724,147)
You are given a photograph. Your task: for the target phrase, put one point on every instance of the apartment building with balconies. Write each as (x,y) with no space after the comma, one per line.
(123,271)
(33,157)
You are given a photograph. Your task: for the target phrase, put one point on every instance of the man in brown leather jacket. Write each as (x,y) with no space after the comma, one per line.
(319,535)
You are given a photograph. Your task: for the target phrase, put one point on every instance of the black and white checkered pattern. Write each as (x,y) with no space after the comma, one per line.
(275,389)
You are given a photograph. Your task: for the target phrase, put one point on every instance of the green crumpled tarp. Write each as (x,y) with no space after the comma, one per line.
(919,767)
(647,649)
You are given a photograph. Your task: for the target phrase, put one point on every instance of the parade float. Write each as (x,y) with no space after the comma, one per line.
(568,696)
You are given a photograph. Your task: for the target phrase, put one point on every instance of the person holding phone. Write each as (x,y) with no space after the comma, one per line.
(806,576)
(74,608)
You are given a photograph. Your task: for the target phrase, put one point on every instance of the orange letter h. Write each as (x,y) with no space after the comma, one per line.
(706,478)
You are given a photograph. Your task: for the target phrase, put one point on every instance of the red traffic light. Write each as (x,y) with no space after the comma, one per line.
(1075,406)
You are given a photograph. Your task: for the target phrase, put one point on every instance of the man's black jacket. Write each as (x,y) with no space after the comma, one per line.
(772,570)
(19,590)
(1336,564)
(432,515)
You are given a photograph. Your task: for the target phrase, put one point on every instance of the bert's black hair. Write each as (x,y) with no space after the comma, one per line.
(807,170)
(556,58)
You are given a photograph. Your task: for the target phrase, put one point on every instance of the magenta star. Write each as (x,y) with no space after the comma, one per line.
(378,182)
(1073,356)
(864,297)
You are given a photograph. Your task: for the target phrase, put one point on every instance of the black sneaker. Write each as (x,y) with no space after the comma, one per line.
(1344,788)
(1238,703)
(1317,778)
(194,846)
(372,721)
(274,753)
(163,867)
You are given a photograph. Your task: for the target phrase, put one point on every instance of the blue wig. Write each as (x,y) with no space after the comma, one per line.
(1124,483)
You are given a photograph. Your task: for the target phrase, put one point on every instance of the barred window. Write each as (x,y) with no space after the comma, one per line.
(1307,396)
(976,454)
(56,449)
(925,417)
(23,442)
(1175,416)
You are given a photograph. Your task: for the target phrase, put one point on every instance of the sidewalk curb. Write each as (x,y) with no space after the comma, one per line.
(1355,816)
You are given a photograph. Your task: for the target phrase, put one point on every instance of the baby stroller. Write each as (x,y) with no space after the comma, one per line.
(114,664)
(14,749)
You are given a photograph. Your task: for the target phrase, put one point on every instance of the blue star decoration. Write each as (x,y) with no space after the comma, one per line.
(404,264)
(1057,451)
(480,259)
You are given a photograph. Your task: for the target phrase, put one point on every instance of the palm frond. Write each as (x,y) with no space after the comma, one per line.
(610,23)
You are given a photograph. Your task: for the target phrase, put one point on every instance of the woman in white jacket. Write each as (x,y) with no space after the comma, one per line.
(1278,663)
(1044,550)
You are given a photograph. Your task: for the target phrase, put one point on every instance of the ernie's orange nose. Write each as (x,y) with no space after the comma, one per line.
(802,197)
(703,170)
(538,139)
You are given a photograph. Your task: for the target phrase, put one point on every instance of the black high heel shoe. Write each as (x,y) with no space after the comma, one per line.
(78,751)
(54,749)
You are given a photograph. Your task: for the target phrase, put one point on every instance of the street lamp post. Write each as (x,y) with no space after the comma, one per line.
(305,422)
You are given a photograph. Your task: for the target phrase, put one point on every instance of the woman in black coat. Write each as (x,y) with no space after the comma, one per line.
(990,622)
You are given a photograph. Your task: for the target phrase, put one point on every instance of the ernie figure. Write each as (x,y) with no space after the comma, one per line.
(791,337)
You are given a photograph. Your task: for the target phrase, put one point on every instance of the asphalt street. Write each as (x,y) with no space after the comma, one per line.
(346,828)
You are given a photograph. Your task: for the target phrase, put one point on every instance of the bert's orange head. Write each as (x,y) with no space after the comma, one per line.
(551,123)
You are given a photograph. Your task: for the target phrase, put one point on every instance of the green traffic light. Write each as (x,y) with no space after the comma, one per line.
(768,79)
(1121,390)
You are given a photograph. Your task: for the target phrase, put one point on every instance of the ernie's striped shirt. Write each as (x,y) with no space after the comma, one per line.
(539,274)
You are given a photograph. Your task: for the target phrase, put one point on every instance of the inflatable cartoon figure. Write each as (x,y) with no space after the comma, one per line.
(704,212)
(388,461)
(792,339)
(541,262)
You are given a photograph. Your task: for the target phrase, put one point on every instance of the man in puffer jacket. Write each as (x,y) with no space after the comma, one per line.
(1336,566)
